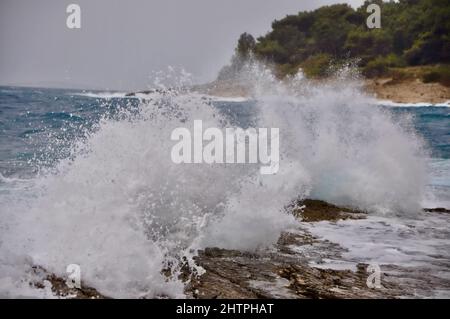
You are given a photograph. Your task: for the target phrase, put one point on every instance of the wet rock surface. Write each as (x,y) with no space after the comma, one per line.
(310,210)
(437,210)
(294,268)
(281,273)
(62,290)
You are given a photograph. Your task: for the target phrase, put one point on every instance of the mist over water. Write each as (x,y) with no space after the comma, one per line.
(120,208)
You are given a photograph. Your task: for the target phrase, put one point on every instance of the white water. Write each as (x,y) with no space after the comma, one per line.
(122,210)
(421,104)
(424,241)
(420,246)
(102,95)
(437,192)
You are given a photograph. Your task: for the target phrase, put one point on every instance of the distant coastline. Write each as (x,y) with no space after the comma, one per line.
(411,90)
(405,60)
(408,90)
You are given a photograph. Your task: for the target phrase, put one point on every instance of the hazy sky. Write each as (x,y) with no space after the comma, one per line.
(122,43)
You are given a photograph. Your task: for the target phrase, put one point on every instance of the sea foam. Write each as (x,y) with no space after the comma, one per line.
(123,211)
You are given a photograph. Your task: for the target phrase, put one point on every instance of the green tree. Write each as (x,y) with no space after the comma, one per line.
(414,32)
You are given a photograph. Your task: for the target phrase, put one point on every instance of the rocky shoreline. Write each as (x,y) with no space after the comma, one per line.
(407,91)
(285,271)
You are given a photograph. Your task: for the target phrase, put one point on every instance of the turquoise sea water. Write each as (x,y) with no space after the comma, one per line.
(38,127)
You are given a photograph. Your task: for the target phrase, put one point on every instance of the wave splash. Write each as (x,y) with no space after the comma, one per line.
(123,211)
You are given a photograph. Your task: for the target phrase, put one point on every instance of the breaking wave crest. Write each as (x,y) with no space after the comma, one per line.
(120,208)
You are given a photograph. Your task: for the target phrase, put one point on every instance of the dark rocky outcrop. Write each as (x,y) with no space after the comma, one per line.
(437,210)
(310,210)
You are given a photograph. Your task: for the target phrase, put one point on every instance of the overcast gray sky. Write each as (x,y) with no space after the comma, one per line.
(122,43)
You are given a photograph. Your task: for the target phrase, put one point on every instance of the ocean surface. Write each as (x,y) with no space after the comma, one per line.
(86,178)
(38,127)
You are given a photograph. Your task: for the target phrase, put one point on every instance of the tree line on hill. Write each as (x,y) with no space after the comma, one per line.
(412,33)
